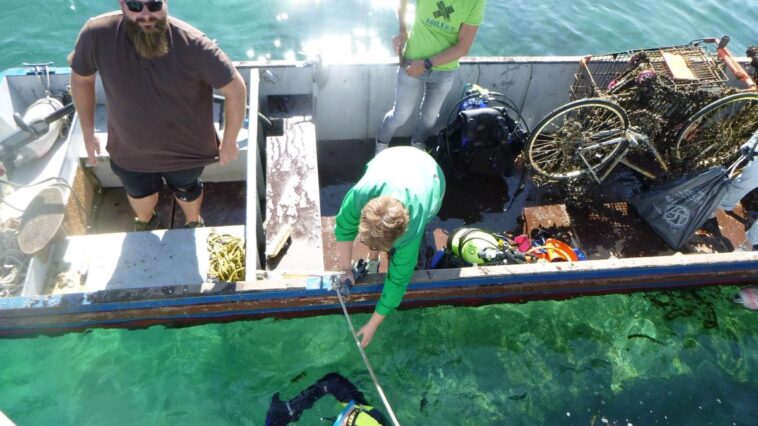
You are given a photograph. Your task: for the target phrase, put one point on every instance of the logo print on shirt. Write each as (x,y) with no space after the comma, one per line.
(443,11)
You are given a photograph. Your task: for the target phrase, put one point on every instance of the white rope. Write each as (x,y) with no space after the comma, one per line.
(365,360)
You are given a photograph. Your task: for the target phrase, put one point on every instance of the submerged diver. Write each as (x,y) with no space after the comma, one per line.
(356,411)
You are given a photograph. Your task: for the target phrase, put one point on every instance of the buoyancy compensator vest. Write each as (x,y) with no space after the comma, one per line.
(483,135)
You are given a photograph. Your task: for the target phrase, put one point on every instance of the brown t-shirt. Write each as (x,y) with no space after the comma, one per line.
(160,111)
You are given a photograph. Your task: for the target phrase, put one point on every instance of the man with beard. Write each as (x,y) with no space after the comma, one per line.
(158,74)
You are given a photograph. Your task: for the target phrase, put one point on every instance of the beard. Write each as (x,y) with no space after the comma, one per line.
(151,43)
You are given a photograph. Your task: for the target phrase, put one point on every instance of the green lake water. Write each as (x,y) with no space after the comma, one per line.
(689,357)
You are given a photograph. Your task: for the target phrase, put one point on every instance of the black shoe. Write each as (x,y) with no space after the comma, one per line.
(196,224)
(712,226)
(153,224)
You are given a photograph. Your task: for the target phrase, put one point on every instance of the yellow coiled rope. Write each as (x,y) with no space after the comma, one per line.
(227,258)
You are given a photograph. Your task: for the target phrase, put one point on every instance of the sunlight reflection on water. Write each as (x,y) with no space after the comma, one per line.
(361,45)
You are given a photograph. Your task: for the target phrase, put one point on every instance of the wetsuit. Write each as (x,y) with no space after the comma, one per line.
(356,409)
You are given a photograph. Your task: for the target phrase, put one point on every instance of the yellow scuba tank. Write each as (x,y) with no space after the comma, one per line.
(468,243)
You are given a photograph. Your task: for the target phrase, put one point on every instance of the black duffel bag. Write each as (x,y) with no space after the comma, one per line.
(675,210)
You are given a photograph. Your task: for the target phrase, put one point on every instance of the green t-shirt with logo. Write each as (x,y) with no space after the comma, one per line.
(412,177)
(437,25)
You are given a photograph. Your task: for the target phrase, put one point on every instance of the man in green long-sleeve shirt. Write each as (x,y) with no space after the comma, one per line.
(388,209)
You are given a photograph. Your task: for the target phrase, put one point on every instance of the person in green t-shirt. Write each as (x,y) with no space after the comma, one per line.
(442,32)
(388,210)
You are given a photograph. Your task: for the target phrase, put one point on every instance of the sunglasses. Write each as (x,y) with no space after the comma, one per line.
(137,6)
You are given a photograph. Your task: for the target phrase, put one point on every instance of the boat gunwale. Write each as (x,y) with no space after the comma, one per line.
(22,71)
(740,265)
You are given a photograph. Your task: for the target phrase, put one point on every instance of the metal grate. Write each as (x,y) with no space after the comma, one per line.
(613,73)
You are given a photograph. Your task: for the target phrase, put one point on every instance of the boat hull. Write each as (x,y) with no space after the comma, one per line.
(192,305)
(361,91)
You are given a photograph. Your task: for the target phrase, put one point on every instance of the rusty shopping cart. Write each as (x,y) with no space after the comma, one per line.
(677,103)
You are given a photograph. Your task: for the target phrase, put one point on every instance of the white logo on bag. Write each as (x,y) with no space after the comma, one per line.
(677,216)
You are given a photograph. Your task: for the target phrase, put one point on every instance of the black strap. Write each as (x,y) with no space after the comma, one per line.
(377,415)
(57,115)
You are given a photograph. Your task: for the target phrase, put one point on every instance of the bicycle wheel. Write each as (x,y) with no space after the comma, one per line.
(713,135)
(592,127)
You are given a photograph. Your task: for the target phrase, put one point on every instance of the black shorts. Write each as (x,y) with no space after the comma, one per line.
(185,183)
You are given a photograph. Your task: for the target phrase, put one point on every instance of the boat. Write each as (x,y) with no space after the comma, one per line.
(312,137)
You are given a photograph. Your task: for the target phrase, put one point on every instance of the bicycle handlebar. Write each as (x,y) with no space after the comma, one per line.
(724,41)
(726,56)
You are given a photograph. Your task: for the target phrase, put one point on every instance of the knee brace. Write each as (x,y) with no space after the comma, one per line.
(189,192)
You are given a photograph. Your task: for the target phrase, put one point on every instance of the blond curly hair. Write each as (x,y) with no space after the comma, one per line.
(383,220)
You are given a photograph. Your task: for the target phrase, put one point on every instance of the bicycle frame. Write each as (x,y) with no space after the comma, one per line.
(660,88)
(706,73)
(632,139)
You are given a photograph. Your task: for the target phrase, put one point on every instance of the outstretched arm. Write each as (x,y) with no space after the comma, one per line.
(369,329)
(401,267)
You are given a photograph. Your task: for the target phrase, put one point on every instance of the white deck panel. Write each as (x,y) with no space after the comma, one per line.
(138,259)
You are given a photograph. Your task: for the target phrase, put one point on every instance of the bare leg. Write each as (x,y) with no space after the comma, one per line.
(191,209)
(143,207)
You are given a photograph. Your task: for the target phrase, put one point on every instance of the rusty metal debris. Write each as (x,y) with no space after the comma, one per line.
(676,96)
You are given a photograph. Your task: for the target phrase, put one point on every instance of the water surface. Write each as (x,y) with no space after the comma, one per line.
(684,358)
